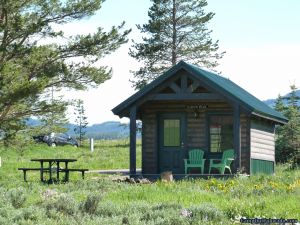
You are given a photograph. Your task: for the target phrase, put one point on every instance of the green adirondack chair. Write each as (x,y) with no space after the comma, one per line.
(195,160)
(224,163)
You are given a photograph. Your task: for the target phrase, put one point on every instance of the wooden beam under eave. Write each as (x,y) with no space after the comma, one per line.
(237,136)
(132,152)
(188,96)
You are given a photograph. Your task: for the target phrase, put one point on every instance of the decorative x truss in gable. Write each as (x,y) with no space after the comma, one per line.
(185,87)
(184,84)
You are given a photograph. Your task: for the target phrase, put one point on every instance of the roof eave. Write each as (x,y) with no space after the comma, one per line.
(132,99)
(277,120)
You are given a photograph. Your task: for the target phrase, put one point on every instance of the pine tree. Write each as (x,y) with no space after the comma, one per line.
(55,120)
(80,120)
(287,144)
(279,104)
(177,30)
(29,66)
(293,99)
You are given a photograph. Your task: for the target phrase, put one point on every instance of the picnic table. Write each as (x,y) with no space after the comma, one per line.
(53,167)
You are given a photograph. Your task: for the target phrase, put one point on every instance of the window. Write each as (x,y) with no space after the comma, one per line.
(220,132)
(171,132)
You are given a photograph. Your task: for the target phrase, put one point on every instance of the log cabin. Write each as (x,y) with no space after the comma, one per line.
(190,108)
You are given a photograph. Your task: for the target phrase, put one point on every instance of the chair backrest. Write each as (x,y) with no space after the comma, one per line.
(196,156)
(227,154)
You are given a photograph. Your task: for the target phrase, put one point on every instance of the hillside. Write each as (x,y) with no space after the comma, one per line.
(115,129)
(271,102)
(106,130)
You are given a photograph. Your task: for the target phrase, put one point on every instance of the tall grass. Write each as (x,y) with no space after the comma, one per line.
(112,154)
(99,200)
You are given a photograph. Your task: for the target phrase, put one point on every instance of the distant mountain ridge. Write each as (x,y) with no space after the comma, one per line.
(271,102)
(117,130)
(106,130)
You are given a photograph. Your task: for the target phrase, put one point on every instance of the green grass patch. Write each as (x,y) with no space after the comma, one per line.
(99,200)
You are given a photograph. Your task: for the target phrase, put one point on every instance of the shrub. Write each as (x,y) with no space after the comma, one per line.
(206,212)
(90,204)
(27,214)
(164,217)
(167,205)
(125,220)
(17,197)
(109,209)
(63,204)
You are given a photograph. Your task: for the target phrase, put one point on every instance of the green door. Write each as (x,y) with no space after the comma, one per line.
(171,150)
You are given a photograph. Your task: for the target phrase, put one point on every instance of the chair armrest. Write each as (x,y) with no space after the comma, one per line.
(230,159)
(211,160)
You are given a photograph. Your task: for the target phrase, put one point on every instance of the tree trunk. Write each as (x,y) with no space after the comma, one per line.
(174,38)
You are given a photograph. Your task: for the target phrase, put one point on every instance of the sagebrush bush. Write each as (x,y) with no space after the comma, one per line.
(207,212)
(109,209)
(27,214)
(167,205)
(90,205)
(17,197)
(63,204)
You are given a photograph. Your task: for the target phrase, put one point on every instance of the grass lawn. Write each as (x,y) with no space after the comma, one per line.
(99,200)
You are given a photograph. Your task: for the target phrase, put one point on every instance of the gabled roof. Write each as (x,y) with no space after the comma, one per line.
(222,85)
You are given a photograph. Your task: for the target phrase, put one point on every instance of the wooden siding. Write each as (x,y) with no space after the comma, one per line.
(262,140)
(196,131)
(149,143)
(196,136)
(245,143)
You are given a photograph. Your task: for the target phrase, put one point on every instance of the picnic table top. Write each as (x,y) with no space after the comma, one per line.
(54,160)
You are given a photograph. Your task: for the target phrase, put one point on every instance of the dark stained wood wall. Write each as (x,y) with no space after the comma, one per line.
(245,143)
(149,143)
(196,130)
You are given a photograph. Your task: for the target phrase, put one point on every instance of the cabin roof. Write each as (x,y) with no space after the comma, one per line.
(223,85)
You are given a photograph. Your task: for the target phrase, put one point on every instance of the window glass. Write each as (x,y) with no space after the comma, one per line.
(221,133)
(171,132)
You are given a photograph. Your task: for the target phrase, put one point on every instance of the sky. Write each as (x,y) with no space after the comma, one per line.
(261,40)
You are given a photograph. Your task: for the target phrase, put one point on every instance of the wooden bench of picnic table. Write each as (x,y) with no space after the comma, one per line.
(33,169)
(74,170)
(53,169)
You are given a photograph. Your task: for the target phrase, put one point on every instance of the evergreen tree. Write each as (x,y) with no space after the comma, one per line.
(80,120)
(55,120)
(28,66)
(293,99)
(177,30)
(288,136)
(279,104)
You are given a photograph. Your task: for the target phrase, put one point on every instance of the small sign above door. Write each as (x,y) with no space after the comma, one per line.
(197,106)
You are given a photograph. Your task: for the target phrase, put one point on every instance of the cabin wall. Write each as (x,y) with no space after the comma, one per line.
(262,146)
(149,143)
(245,143)
(197,132)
